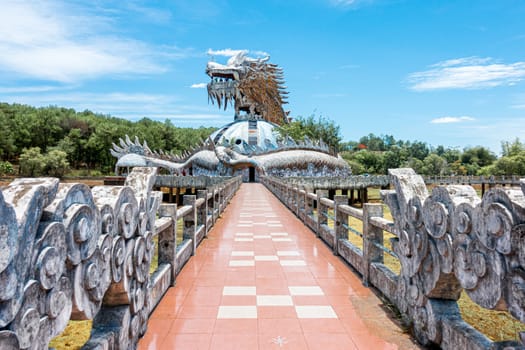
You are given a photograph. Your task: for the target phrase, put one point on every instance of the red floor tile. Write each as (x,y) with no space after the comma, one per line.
(187,317)
(192,325)
(331,341)
(233,341)
(187,341)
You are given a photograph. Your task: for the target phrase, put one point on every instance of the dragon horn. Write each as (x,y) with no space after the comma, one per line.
(122,143)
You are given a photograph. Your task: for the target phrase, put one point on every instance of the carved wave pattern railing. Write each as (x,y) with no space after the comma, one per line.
(448,241)
(71,252)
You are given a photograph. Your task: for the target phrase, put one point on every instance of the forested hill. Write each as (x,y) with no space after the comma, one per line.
(85,137)
(52,140)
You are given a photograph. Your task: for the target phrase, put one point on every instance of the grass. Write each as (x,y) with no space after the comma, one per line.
(73,337)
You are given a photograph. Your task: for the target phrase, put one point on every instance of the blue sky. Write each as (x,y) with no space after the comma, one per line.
(444,72)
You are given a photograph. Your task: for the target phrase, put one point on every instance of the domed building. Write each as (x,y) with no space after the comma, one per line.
(247,135)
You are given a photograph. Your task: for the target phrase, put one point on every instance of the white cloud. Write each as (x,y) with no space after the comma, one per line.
(199,86)
(261,53)
(32,89)
(48,40)
(231,52)
(448,120)
(467,73)
(225,52)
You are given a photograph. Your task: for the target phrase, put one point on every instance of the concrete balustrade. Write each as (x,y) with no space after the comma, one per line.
(68,252)
(447,242)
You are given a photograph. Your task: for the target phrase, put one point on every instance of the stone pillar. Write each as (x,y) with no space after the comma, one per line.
(371,235)
(202,211)
(341,219)
(190,221)
(308,202)
(321,211)
(168,240)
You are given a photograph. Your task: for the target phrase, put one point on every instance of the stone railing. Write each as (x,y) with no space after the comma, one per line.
(473,180)
(446,242)
(331,182)
(68,252)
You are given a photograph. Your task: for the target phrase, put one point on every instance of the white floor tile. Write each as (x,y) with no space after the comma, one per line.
(292,263)
(238,290)
(244,234)
(281,239)
(274,300)
(313,311)
(242,253)
(279,234)
(266,258)
(288,253)
(262,236)
(243,239)
(305,290)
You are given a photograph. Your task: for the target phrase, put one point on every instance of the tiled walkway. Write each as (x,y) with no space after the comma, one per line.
(262,280)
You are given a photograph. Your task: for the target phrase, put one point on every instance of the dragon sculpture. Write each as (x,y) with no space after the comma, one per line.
(252,85)
(250,145)
(290,158)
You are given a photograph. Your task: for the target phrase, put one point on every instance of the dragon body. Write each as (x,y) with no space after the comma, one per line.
(250,145)
(293,159)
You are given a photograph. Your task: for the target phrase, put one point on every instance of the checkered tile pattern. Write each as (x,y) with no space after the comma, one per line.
(250,311)
(262,280)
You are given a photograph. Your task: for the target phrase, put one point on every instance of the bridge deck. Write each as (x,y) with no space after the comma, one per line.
(261,280)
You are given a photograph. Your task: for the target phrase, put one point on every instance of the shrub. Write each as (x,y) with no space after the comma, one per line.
(6,168)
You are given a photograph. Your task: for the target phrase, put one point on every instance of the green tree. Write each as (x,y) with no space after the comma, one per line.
(55,163)
(372,162)
(513,148)
(434,165)
(415,164)
(451,155)
(506,165)
(393,158)
(474,158)
(7,145)
(31,162)
(418,150)
(315,129)
(6,168)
